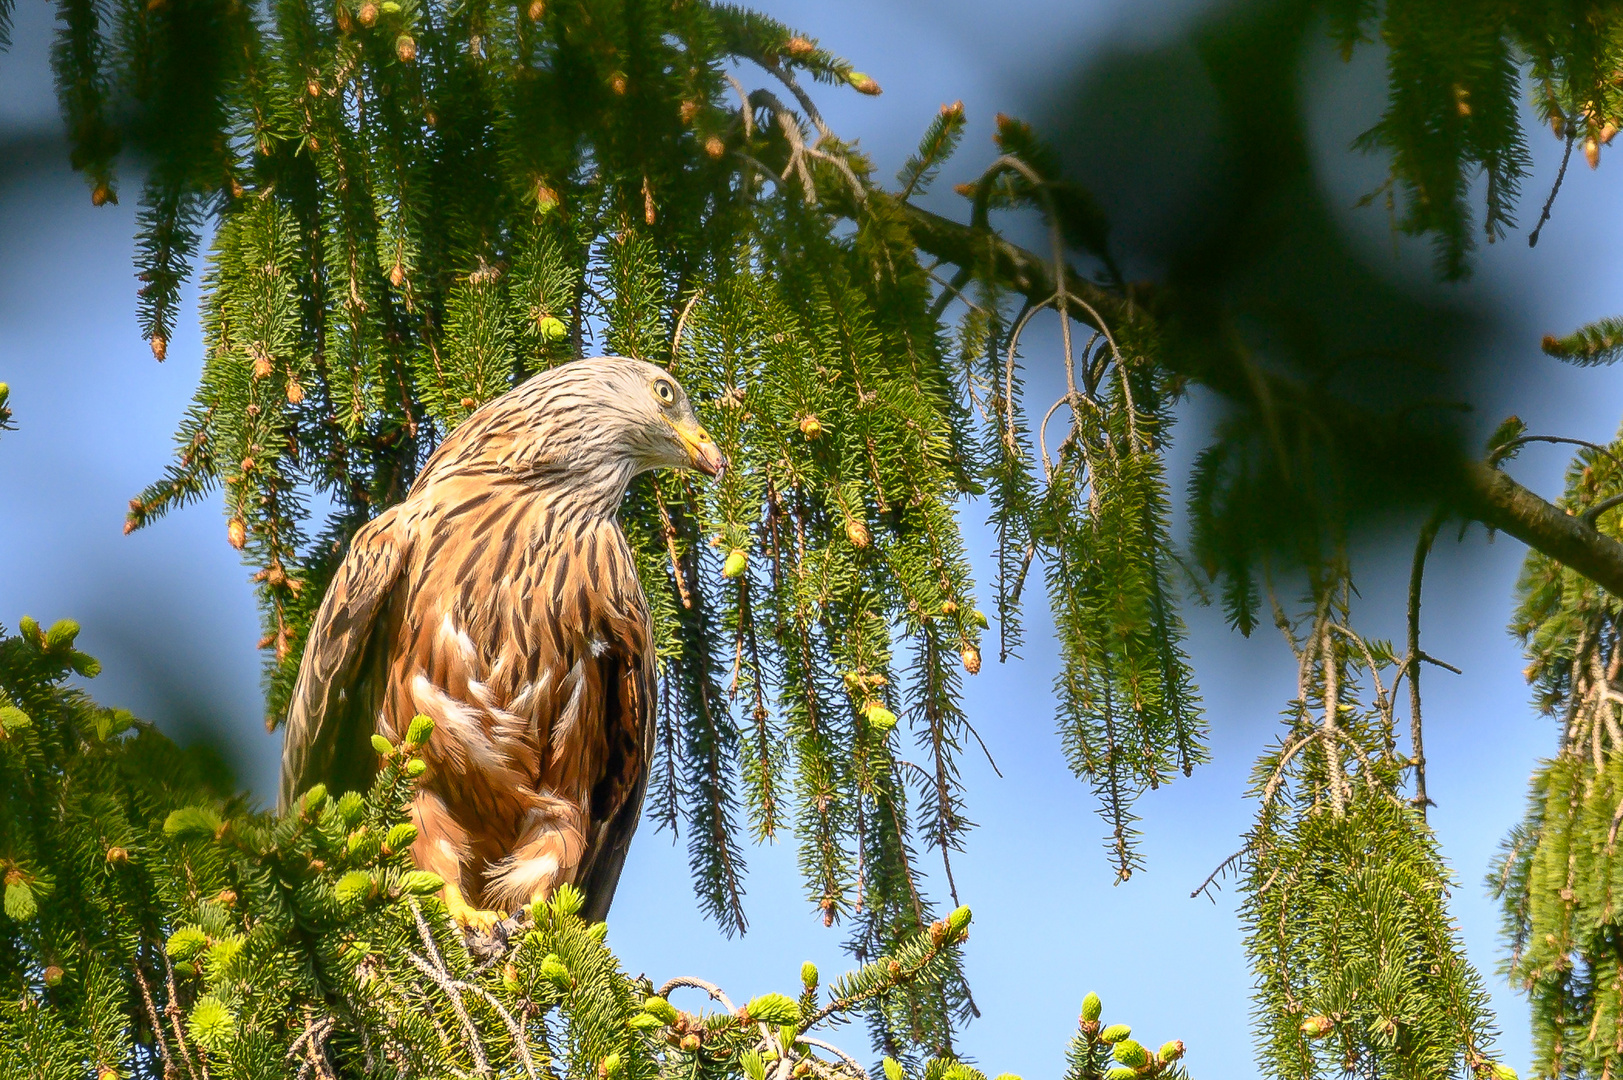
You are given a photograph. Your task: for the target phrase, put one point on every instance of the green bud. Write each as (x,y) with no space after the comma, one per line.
(191,822)
(610,1067)
(13,719)
(862,83)
(400,836)
(753,1066)
(61,634)
(419,731)
(958,922)
(880,719)
(567,900)
(1502,1071)
(353,887)
(1116,1072)
(221,953)
(978,617)
(552,330)
(660,1008)
(421,883)
(187,942)
(363,843)
(598,931)
(893,1069)
(1131,1053)
(737,560)
(185,969)
(315,797)
(1317,1027)
(774,1009)
(383,746)
(1092,1006)
(1170,1051)
(1115,1033)
(5,394)
(644,1022)
(53,975)
(350,808)
(28,626)
(211,1023)
(808,975)
(416,767)
(84,664)
(389,7)
(554,972)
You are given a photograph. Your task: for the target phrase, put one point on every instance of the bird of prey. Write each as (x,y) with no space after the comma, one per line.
(501,599)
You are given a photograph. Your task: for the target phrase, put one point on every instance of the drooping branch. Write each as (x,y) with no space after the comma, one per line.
(1469,487)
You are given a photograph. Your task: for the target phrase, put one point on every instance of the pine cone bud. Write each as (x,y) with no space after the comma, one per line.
(419,730)
(368,13)
(714,146)
(295,392)
(405,48)
(263,367)
(955,109)
(382,745)
(658,1007)
(53,975)
(61,635)
(1170,1051)
(880,719)
(774,1009)
(1115,1033)
(617,82)
(226,898)
(546,199)
(160,347)
(314,798)
(1592,152)
(102,195)
(416,767)
(1317,1027)
(737,562)
(808,975)
(690,1043)
(1131,1054)
(551,330)
(537,9)
(118,856)
(811,427)
(862,83)
(510,975)
(1608,131)
(798,46)
(397,275)
(949,608)
(688,110)
(353,887)
(971,657)
(1092,1006)
(236,533)
(554,972)
(857,533)
(400,836)
(958,921)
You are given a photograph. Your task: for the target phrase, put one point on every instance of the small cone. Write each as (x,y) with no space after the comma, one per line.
(160,347)
(1592,152)
(537,9)
(405,48)
(236,533)
(971,657)
(368,14)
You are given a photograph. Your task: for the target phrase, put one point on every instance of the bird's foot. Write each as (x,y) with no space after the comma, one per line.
(478,920)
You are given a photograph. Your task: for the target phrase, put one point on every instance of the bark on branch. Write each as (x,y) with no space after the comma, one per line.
(1477,491)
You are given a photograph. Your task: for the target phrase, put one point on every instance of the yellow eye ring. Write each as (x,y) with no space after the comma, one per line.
(665,391)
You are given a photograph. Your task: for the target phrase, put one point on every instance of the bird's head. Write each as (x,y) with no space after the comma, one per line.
(585,427)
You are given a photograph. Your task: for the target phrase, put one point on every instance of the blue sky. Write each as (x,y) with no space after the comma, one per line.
(170,613)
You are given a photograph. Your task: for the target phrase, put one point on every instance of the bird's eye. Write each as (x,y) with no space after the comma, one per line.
(665,391)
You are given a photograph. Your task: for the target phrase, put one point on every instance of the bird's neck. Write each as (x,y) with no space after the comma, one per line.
(583,494)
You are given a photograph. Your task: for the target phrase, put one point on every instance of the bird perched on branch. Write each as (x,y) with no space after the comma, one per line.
(501,599)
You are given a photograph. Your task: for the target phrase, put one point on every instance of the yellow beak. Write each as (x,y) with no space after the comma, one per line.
(702,450)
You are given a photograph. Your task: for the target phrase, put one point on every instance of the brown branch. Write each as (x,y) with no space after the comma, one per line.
(1476,491)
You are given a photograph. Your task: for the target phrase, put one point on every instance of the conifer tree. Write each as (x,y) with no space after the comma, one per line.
(413,205)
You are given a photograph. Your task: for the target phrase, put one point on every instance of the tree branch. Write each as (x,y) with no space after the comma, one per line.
(1475,490)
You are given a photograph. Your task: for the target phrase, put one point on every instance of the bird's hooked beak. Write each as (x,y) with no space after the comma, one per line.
(703,453)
